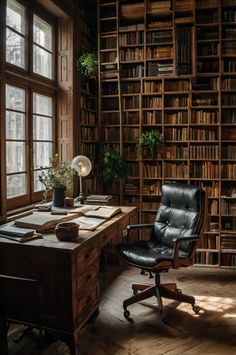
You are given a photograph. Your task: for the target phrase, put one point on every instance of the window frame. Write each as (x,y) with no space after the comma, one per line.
(31,82)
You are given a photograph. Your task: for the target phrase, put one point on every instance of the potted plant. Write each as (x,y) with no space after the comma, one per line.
(87,64)
(152,140)
(59,178)
(112,166)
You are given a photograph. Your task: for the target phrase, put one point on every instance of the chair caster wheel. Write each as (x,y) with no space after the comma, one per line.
(179,290)
(196,309)
(126,313)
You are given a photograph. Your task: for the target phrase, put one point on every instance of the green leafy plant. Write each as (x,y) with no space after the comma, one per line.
(153,140)
(112,166)
(58,175)
(87,64)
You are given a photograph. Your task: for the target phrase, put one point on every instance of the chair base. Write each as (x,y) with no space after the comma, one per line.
(170,291)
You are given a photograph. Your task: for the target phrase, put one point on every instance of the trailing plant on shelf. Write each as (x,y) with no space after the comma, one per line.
(112,166)
(87,64)
(152,140)
(57,176)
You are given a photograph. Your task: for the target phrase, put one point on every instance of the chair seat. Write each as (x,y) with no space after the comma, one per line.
(146,254)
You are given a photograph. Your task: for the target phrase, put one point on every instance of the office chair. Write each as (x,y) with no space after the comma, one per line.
(178,227)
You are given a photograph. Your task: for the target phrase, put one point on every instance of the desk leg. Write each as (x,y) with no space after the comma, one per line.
(3,337)
(72,340)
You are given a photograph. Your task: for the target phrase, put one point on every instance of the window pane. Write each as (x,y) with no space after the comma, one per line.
(15,156)
(15,125)
(38,186)
(42,105)
(15,98)
(42,128)
(42,33)
(42,153)
(15,16)
(42,62)
(15,49)
(16,185)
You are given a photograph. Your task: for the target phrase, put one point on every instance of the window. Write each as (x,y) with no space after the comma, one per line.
(15,34)
(30,113)
(41,46)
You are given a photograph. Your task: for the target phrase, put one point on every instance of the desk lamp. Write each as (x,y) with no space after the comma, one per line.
(83,167)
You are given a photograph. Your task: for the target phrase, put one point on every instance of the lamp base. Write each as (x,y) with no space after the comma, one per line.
(81,199)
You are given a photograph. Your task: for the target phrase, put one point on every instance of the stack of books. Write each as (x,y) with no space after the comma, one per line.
(99,200)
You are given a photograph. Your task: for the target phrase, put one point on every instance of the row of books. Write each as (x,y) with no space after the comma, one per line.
(207,134)
(207,258)
(174,134)
(228,152)
(228,171)
(152,171)
(210,242)
(204,152)
(204,170)
(228,207)
(176,152)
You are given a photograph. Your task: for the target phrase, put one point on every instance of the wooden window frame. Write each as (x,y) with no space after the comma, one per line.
(31,82)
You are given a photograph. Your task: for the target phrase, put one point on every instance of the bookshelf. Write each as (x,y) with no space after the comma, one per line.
(171,66)
(88,121)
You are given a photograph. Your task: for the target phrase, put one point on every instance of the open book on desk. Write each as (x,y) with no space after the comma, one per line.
(42,221)
(105,212)
(90,219)
(89,223)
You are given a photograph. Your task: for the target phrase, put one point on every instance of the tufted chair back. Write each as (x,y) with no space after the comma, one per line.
(180,215)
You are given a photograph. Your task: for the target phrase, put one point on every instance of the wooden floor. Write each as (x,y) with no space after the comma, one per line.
(213,331)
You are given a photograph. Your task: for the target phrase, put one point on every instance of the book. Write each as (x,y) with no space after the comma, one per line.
(89,223)
(105,212)
(42,221)
(18,234)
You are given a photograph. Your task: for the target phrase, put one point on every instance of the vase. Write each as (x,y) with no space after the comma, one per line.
(58,197)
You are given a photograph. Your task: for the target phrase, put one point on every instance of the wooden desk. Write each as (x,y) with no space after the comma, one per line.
(54,285)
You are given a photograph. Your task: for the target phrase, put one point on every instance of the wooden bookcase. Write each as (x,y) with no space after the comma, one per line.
(88,120)
(171,65)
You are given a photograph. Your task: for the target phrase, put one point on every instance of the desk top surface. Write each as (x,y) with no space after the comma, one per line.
(51,241)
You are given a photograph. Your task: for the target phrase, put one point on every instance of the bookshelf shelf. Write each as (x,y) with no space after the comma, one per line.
(175,71)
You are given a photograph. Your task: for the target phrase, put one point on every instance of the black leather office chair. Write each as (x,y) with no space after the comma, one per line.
(178,226)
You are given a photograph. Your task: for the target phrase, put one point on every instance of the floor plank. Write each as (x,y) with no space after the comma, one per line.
(213,331)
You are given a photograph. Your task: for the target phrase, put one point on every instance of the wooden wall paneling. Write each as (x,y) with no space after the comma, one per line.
(65,112)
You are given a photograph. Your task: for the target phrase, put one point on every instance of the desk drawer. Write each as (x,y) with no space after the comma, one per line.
(87,278)
(88,301)
(87,256)
(106,237)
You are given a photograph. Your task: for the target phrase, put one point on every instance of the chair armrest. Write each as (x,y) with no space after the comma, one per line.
(191,238)
(137,226)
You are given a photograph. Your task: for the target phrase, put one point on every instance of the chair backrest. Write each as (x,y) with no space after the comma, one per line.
(182,213)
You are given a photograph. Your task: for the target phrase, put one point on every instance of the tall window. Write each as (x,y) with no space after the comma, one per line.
(30,114)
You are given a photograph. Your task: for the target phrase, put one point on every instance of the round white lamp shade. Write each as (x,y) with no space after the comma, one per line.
(82,165)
